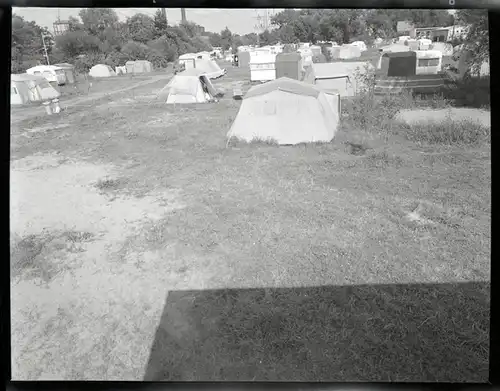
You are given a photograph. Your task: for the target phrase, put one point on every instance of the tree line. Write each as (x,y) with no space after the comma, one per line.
(97,35)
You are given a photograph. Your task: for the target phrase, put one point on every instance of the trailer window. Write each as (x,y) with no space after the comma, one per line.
(37,73)
(47,74)
(428,62)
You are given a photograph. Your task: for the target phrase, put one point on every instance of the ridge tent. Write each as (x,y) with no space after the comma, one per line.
(26,88)
(287,111)
(101,70)
(142,66)
(189,86)
(129,65)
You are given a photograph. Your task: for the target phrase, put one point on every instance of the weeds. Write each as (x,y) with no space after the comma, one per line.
(447,132)
(109,184)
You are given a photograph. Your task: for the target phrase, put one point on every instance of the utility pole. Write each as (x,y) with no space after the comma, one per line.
(183,15)
(45,49)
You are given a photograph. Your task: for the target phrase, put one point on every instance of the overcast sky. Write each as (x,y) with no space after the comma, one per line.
(240,21)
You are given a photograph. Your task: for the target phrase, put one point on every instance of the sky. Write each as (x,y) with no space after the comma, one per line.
(240,21)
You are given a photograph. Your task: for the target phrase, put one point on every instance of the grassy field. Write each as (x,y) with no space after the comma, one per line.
(143,248)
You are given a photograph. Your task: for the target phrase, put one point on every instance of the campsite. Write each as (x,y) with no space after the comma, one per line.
(310,230)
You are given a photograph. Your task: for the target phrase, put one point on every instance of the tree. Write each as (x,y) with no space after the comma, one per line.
(95,20)
(75,24)
(190,28)
(215,39)
(135,51)
(75,43)
(268,38)
(141,28)
(27,45)
(226,39)
(160,23)
(250,39)
(476,44)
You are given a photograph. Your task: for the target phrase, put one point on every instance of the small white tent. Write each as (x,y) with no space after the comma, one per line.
(189,86)
(287,111)
(26,88)
(101,70)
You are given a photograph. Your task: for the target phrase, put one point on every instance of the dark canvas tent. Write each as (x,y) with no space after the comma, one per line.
(400,64)
(243,59)
(319,59)
(289,65)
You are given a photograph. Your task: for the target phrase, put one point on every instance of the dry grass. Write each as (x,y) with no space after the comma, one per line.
(387,295)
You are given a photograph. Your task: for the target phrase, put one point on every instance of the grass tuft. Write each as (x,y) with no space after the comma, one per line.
(463,132)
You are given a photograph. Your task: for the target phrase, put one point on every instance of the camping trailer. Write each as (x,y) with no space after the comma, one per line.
(52,73)
(69,71)
(417,71)
(341,77)
(262,67)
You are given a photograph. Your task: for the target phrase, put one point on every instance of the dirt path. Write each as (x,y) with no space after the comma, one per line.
(39,110)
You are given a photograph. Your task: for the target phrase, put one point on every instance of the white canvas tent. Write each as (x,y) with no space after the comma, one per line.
(361,45)
(26,89)
(101,70)
(210,68)
(189,86)
(349,51)
(287,111)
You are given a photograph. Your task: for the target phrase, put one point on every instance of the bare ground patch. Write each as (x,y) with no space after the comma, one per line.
(93,309)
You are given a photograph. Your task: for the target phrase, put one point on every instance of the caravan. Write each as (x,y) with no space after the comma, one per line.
(51,73)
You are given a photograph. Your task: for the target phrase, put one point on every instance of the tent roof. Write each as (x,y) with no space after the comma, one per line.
(288,57)
(329,70)
(192,72)
(64,65)
(399,54)
(26,77)
(283,84)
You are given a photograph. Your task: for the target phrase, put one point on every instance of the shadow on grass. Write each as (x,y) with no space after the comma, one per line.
(349,333)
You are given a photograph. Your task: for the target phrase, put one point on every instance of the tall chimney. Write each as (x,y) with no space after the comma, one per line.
(183,15)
